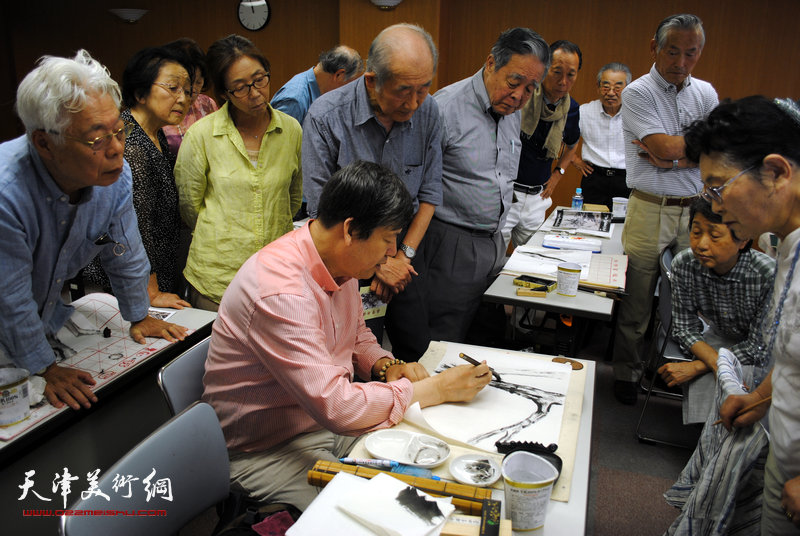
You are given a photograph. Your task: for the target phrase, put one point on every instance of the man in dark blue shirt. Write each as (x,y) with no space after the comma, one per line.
(549,120)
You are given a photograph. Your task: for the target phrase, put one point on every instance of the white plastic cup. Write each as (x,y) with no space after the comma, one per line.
(569,274)
(619,206)
(14,402)
(528,480)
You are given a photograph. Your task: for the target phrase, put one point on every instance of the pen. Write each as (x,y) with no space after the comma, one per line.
(387,464)
(468,359)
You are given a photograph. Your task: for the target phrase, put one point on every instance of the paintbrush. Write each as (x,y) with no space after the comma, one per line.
(468,359)
(746,409)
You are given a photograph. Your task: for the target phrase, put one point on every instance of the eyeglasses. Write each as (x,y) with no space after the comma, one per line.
(244,90)
(101,142)
(714,193)
(175,90)
(605,87)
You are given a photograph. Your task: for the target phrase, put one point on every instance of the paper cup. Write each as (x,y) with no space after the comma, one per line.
(569,274)
(619,206)
(528,482)
(14,404)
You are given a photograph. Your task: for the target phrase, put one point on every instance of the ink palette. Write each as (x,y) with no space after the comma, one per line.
(410,448)
(475,470)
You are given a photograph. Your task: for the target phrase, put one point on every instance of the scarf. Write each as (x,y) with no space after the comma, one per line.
(535,110)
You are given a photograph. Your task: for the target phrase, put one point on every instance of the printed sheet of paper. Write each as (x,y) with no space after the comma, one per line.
(527,405)
(83,346)
(537,260)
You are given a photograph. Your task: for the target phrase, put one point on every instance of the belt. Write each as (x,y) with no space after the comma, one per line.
(664,201)
(608,171)
(473,232)
(526,189)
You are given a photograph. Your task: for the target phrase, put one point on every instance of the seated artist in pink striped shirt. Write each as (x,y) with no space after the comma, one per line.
(290,339)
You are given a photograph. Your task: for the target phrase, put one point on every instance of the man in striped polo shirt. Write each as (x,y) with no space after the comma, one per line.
(656,109)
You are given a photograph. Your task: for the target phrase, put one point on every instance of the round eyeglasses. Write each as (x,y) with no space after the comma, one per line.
(243,90)
(714,193)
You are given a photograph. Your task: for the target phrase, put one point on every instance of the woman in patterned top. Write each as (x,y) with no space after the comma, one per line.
(201,104)
(156,89)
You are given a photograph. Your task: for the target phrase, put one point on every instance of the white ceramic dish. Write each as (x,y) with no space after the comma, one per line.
(410,448)
(475,470)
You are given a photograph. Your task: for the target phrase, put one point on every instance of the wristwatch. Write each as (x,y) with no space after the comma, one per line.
(408,250)
(561,170)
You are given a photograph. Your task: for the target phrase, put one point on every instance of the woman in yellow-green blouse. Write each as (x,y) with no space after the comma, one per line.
(238,172)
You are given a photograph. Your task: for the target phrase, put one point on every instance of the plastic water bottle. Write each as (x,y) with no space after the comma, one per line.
(577,200)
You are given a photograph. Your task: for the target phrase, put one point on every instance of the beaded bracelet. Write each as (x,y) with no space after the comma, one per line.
(385,367)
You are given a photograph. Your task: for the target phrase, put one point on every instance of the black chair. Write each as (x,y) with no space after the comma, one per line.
(668,350)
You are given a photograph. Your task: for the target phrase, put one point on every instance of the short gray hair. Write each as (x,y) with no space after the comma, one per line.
(684,21)
(59,87)
(520,41)
(380,52)
(342,57)
(617,67)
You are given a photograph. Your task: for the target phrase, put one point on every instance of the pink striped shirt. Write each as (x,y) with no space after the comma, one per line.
(284,350)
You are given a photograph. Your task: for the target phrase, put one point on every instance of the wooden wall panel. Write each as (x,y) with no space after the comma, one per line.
(751,48)
(297,32)
(360,21)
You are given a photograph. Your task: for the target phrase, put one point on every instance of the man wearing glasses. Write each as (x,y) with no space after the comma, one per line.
(385,117)
(656,109)
(65,197)
(603,156)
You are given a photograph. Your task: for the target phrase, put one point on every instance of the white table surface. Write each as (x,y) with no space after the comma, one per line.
(563,518)
(586,304)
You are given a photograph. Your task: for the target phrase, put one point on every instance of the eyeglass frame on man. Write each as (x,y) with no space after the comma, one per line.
(714,193)
(607,86)
(99,143)
(247,87)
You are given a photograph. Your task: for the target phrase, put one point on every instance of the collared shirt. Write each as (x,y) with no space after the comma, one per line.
(46,241)
(234,207)
(734,303)
(296,95)
(534,165)
(603,142)
(480,157)
(784,413)
(651,105)
(285,348)
(341,127)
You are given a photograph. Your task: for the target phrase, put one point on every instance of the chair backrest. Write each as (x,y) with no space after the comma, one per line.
(181,380)
(665,286)
(190,461)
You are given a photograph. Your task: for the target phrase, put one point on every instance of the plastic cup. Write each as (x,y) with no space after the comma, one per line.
(14,402)
(619,206)
(569,274)
(528,480)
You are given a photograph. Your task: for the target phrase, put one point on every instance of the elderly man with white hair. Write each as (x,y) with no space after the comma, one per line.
(65,197)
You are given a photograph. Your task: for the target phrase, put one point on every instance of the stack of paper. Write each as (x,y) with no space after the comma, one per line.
(352,506)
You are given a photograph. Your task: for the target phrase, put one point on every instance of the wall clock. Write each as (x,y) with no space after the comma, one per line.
(254,14)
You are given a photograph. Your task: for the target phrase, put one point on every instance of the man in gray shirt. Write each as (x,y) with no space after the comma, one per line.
(656,108)
(385,117)
(464,248)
